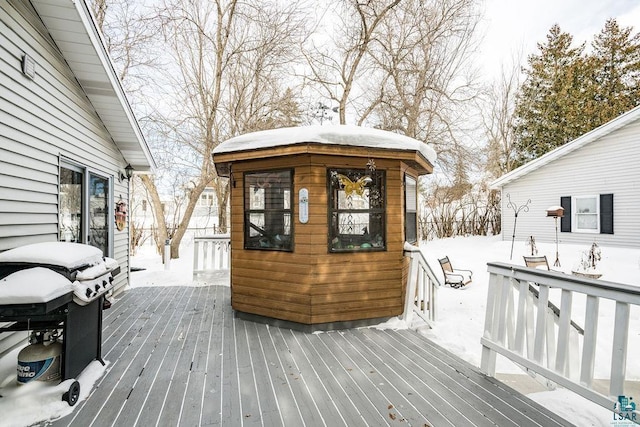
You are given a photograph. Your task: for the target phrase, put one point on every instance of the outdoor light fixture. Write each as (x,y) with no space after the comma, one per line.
(128,173)
(28,66)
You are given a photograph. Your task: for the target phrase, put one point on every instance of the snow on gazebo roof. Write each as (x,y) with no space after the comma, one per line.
(345,135)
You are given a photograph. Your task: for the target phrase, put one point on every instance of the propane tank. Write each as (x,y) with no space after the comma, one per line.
(40,360)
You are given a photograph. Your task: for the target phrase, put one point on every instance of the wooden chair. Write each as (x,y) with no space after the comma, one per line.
(541,261)
(536,261)
(456,278)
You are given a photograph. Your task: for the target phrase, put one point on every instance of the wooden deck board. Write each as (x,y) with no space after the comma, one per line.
(145,356)
(178,356)
(196,388)
(393,392)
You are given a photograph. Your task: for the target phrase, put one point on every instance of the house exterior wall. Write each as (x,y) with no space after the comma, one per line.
(42,121)
(608,165)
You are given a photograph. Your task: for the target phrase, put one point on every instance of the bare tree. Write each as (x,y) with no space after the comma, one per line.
(224,62)
(497,119)
(337,66)
(128,30)
(425,84)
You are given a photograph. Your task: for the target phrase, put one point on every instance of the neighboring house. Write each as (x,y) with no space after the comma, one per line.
(203,222)
(67,131)
(595,178)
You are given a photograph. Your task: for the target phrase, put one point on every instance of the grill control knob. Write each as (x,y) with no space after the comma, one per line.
(104,283)
(97,287)
(110,279)
(88,293)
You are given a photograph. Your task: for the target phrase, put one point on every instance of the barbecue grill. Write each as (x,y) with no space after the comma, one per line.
(57,291)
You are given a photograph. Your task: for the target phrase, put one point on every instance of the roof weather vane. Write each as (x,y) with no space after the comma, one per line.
(321,112)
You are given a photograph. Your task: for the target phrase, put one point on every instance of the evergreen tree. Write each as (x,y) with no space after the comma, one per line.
(567,93)
(616,71)
(550,99)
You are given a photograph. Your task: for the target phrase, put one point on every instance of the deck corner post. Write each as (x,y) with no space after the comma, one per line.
(488,361)
(411,289)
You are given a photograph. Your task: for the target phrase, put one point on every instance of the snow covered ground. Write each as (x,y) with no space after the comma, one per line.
(459,326)
(460,320)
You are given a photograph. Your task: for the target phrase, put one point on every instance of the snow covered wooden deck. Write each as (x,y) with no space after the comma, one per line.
(178,356)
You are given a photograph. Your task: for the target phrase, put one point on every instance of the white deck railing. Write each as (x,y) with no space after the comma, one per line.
(211,253)
(521,329)
(422,286)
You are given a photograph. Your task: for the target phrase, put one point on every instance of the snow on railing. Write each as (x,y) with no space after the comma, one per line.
(524,331)
(211,253)
(422,286)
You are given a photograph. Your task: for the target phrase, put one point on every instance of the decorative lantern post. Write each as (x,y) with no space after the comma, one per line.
(556,212)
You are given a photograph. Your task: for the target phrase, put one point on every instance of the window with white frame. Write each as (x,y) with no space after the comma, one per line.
(588,214)
(206,199)
(410,209)
(586,209)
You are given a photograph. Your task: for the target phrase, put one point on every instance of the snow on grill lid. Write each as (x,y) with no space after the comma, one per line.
(64,254)
(33,285)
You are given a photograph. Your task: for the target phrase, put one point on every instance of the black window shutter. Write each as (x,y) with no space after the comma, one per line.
(606,214)
(565,221)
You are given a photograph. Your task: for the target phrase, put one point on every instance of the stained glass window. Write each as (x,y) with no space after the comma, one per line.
(356,209)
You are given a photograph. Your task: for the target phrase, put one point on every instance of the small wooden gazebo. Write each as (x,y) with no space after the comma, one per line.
(319,217)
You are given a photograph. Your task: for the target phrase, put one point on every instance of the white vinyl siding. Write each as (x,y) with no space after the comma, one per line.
(608,165)
(43,120)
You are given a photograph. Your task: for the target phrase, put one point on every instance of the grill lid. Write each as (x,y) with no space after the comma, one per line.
(33,285)
(71,256)
(72,268)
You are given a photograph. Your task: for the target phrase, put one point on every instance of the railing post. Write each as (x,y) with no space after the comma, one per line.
(590,339)
(411,289)
(488,361)
(539,340)
(562,347)
(521,317)
(196,253)
(619,350)
(167,254)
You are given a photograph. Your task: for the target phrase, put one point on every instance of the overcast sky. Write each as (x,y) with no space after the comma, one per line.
(517,25)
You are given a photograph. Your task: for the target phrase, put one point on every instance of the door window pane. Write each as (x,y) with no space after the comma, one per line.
(99,212)
(83,208)
(70,208)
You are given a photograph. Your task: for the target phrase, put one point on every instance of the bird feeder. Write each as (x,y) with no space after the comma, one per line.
(556,212)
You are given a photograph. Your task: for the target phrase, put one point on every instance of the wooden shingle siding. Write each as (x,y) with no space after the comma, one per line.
(311,285)
(608,165)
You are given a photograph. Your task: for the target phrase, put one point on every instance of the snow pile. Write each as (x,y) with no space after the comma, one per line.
(64,254)
(33,285)
(348,135)
(37,401)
